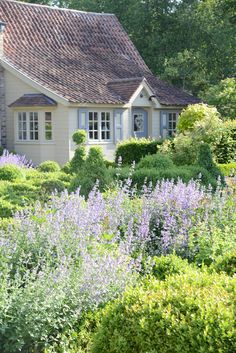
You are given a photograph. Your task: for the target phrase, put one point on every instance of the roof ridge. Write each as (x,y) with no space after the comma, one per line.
(59,8)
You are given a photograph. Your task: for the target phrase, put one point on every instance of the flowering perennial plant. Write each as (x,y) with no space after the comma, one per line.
(72,254)
(16,159)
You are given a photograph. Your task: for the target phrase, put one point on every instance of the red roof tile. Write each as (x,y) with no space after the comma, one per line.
(77,54)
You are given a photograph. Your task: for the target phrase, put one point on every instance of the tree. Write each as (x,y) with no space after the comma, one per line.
(223,97)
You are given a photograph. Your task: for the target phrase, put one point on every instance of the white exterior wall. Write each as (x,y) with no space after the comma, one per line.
(58,149)
(156,133)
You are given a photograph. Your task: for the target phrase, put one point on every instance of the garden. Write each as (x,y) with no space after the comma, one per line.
(136,255)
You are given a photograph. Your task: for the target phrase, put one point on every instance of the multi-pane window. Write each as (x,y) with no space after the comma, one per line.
(172,122)
(48,126)
(105,126)
(99,126)
(22,126)
(33,126)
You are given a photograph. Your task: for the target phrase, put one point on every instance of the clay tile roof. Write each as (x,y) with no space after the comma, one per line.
(32,100)
(77,54)
(124,88)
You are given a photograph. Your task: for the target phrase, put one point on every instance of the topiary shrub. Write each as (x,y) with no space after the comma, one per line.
(226,263)
(52,185)
(134,149)
(158,161)
(11,172)
(94,169)
(205,160)
(192,312)
(49,166)
(79,137)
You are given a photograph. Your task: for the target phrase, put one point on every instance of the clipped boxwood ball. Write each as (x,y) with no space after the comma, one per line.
(79,136)
(49,166)
(11,172)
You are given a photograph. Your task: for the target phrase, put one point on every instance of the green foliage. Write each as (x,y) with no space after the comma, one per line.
(52,185)
(223,97)
(181,314)
(7,209)
(165,266)
(134,149)
(79,137)
(11,172)
(94,169)
(49,166)
(225,149)
(228,169)
(205,160)
(195,113)
(226,263)
(159,161)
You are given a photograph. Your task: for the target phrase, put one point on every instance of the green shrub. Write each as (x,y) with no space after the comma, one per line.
(205,160)
(158,161)
(49,166)
(165,266)
(11,172)
(52,185)
(7,209)
(226,263)
(79,137)
(225,149)
(134,149)
(22,193)
(93,170)
(192,312)
(228,169)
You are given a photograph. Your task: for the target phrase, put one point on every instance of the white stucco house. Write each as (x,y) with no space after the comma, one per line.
(61,70)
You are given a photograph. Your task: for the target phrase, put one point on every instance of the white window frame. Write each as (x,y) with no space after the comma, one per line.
(171,131)
(99,130)
(45,126)
(28,115)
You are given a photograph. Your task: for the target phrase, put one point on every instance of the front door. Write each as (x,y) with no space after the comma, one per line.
(140,123)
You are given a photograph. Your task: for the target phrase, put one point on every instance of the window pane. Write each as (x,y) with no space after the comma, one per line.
(48,126)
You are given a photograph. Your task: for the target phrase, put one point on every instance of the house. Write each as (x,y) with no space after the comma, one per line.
(61,70)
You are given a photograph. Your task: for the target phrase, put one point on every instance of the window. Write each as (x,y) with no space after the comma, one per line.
(99,126)
(172,122)
(22,126)
(48,126)
(34,126)
(138,122)
(28,126)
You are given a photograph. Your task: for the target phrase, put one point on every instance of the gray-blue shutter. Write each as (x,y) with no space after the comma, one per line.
(163,121)
(83,119)
(118,124)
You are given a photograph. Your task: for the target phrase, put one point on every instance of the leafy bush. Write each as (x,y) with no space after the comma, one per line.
(11,172)
(205,160)
(93,170)
(79,137)
(228,169)
(165,266)
(195,113)
(158,161)
(181,314)
(49,166)
(225,149)
(226,263)
(52,185)
(7,209)
(134,149)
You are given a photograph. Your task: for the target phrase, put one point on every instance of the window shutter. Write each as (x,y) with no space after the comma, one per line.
(118,124)
(83,119)
(163,123)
